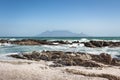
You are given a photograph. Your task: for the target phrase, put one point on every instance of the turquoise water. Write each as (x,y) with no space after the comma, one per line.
(10,48)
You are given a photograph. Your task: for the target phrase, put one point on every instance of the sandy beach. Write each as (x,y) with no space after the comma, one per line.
(34,70)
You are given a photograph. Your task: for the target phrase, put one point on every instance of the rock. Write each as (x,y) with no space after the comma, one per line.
(84,56)
(44,57)
(61,42)
(115,62)
(70,58)
(88,44)
(94,44)
(77,61)
(106,58)
(17,56)
(91,64)
(75,42)
(30,42)
(97,43)
(56,65)
(66,62)
(103,58)
(31,56)
(3,41)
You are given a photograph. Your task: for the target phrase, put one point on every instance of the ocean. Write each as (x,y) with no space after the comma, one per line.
(6,48)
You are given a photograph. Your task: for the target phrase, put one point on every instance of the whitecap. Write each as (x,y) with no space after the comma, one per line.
(12,39)
(6,44)
(84,40)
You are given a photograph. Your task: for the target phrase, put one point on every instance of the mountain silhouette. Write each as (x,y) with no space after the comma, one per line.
(61,33)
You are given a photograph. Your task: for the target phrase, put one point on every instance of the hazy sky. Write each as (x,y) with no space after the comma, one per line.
(31,17)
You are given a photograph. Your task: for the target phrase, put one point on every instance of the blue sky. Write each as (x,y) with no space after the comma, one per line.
(31,17)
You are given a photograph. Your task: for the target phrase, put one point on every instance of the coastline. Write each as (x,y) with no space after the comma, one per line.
(31,68)
(23,69)
(40,70)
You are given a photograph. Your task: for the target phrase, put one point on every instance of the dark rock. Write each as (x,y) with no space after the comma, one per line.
(32,56)
(103,58)
(44,57)
(3,41)
(106,58)
(94,44)
(70,58)
(75,42)
(17,56)
(61,42)
(115,62)
(88,44)
(91,64)
(66,62)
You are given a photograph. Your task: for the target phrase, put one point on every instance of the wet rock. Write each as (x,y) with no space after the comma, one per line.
(88,44)
(30,42)
(61,42)
(3,41)
(94,44)
(75,42)
(17,56)
(34,42)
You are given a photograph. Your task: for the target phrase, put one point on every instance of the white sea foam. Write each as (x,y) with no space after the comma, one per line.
(5,56)
(5,44)
(55,43)
(105,40)
(98,40)
(12,39)
(84,40)
(114,40)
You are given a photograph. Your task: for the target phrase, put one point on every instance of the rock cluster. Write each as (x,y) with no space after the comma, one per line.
(30,42)
(70,59)
(34,42)
(94,44)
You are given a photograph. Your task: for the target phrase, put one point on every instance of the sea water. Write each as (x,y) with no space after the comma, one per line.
(7,48)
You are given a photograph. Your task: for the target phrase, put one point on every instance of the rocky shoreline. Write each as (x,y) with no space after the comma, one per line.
(91,44)
(34,42)
(96,67)
(84,66)
(60,58)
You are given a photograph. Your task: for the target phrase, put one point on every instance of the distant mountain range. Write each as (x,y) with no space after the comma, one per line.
(61,33)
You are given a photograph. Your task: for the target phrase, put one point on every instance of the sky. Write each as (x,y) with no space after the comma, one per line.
(31,17)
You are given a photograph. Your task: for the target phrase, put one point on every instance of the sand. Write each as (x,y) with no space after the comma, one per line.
(34,70)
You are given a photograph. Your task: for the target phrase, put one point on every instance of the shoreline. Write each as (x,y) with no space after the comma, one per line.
(42,70)
(25,70)
(60,65)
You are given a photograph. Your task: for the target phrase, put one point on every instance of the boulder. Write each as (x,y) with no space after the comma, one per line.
(103,58)
(94,44)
